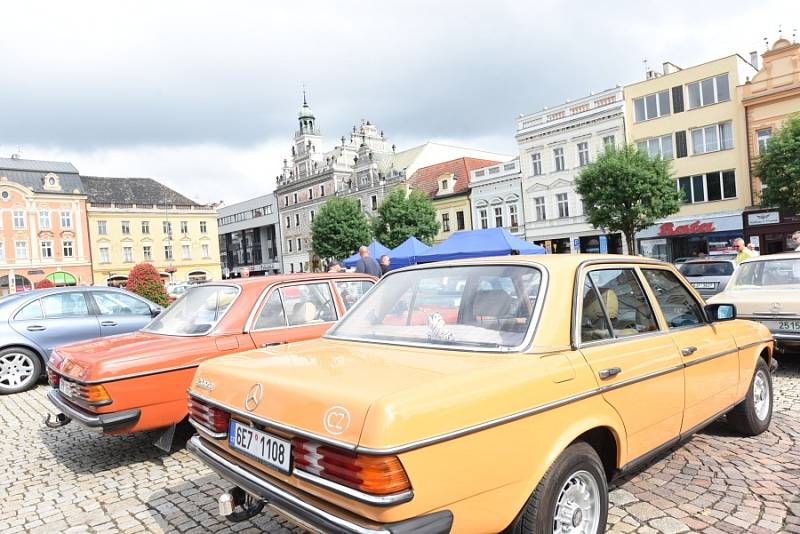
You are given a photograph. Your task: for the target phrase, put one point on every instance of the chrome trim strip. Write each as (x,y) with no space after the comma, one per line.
(767,315)
(213,326)
(641,378)
(754,343)
(712,357)
(121,377)
(271,488)
(203,430)
(788,337)
(377,500)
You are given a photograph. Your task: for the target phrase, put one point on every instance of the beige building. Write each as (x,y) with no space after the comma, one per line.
(134,220)
(694,118)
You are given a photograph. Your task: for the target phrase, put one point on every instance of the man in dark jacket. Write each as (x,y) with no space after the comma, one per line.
(367,264)
(384,263)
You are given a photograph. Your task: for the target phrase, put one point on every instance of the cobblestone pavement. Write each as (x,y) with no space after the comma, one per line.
(70,480)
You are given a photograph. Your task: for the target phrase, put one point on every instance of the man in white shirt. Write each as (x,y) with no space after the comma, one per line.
(796,239)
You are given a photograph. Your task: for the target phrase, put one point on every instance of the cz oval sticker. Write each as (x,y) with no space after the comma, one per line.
(336,420)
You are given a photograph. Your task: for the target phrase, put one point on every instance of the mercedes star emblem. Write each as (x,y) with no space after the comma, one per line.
(775,307)
(253,398)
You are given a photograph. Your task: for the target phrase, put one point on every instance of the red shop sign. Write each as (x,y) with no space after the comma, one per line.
(696,227)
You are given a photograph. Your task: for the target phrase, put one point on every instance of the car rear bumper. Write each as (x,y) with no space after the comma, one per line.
(104,422)
(303,509)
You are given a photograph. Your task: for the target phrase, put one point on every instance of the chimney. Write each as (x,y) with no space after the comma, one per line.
(669,68)
(754,59)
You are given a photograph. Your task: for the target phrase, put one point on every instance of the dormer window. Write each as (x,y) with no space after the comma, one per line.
(51,182)
(444,185)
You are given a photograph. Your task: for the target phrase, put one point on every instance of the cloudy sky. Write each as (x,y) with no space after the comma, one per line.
(204,95)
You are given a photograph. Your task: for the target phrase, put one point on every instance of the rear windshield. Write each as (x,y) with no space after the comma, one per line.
(194,313)
(707,268)
(484,306)
(768,274)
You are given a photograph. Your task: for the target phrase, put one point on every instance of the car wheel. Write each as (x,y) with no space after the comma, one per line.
(19,370)
(571,497)
(752,416)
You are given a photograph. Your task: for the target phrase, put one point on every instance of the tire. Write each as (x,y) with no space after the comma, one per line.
(752,416)
(577,470)
(20,369)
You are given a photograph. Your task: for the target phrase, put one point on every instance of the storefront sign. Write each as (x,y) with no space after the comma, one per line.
(576,245)
(695,227)
(767,217)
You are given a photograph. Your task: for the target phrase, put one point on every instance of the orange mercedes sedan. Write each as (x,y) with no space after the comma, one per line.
(138,381)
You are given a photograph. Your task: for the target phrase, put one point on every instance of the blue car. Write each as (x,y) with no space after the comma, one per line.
(33,323)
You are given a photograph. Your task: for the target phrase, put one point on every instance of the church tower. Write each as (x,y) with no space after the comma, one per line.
(307,150)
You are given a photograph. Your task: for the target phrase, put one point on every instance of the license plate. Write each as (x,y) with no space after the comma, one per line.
(789,326)
(263,446)
(704,285)
(66,388)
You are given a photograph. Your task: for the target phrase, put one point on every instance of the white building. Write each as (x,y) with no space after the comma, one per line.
(496,198)
(553,146)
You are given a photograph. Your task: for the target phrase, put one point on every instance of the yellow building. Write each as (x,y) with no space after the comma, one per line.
(134,220)
(694,117)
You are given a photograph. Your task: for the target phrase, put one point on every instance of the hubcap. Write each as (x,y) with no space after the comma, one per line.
(761,400)
(16,369)
(578,505)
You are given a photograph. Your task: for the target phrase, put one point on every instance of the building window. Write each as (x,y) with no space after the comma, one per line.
(583,154)
(294,198)
(145,227)
(609,140)
(268,209)
(322,190)
(657,147)
(512,214)
(19,219)
(311,216)
(126,227)
(562,200)
(168,252)
(540,209)
(127,254)
(205,250)
(44,220)
(286,200)
(299,245)
(709,91)
(104,255)
(166,227)
(444,185)
(66,249)
(288,222)
(186,252)
(651,106)
(536,160)
(2,251)
(310,193)
(147,253)
(460,225)
(297,219)
(445,222)
(763,136)
(712,138)
(184,227)
(66,219)
(289,245)
(558,157)
(47,249)
(21,250)
(374,202)
(498,216)
(102,227)
(203,227)
(708,187)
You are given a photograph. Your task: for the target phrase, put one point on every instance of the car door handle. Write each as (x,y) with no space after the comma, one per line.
(108,323)
(608,373)
(272,344)
(36,328)
(688,351)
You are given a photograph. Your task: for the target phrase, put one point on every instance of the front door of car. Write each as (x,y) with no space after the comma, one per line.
(294,313)
(708,352)
(119,313)
(57,319)
(637,367)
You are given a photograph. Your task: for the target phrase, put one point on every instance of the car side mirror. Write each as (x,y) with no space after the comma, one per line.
(156,310)
(720,312)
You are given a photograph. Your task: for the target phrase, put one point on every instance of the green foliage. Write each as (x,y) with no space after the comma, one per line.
(339,229)
(779,168)
(401,216)
(43,284)
(626,191)
(144,280)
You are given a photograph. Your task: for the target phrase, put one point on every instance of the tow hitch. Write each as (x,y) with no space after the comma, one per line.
(236,497)
(60,420)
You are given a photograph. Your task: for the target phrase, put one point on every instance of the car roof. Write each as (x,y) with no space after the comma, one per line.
(711,260)
(781,256)
(551,261)
(279,278)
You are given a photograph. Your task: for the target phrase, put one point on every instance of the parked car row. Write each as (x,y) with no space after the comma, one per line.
(476,395)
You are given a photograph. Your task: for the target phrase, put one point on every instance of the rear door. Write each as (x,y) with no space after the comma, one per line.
(119,313)
(57,319)
(351,291)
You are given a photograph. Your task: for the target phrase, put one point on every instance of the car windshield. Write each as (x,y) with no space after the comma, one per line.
(195,312)
(484,307)
(768,274)
(707,268)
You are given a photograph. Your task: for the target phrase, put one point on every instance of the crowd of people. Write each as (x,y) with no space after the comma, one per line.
(366,264)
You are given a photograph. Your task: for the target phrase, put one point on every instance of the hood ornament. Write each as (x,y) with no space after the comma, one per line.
(775,307)
(253,398)
(207,385)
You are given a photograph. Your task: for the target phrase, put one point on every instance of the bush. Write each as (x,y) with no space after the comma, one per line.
(44,283)
(144,280)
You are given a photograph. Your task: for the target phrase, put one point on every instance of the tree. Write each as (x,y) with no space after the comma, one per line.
(339,229)
(144,280)
(402,215)
(779,168)
(43,284)
(626,190)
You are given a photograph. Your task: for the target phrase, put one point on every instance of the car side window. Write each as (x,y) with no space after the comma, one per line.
(272,314)
(594,324)
(308,303)
(619,300)
(352,290)
(62,305)
(677,303)
(119,304)
(30,312)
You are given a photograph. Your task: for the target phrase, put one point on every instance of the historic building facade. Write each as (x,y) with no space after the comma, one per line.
(249,238)
(554,144)
(496,197)
(42,225)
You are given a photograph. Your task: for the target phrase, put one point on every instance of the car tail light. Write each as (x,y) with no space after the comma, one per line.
(376,475)
(55,361)
(89,394)
(213,418)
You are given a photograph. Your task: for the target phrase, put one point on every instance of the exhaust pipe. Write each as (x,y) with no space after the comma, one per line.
(226,504)
(236,497)
(60,420)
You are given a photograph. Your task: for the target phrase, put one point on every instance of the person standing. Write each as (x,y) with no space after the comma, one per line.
(367,264)
(385,260)
(742,251)
(796,239)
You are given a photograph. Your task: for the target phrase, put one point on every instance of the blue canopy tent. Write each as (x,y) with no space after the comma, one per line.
(406,253)
(376,250)
(479,243)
